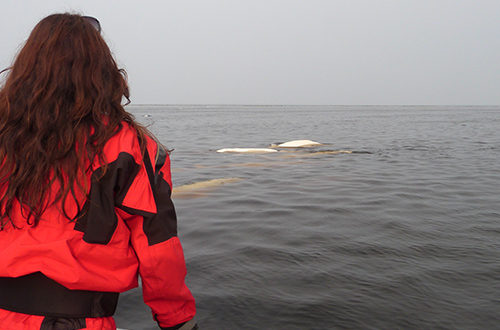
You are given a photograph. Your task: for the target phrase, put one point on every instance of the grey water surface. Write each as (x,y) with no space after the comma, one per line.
(402,233)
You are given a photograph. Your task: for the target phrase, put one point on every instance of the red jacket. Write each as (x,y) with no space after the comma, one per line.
(129,229)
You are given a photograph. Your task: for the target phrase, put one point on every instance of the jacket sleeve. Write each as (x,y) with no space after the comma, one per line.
(154,238)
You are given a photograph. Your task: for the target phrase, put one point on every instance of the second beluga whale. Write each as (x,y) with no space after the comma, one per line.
(289,144)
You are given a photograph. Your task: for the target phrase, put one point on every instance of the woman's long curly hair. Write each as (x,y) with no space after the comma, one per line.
(60,103)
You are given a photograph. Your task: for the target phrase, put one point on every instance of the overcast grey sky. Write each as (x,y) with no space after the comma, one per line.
(435,52)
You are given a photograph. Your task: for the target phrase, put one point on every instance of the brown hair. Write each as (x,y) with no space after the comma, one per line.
(60,103)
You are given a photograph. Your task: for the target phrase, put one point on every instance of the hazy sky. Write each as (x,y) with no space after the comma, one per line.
(290,51)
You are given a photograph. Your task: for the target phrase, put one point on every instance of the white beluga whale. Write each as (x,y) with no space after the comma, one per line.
(200,188)
(298,144)
(289,144)
(247,150)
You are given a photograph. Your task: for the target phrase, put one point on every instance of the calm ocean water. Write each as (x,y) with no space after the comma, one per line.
(402,233)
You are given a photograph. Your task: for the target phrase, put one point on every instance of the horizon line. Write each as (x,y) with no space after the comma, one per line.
(309,105)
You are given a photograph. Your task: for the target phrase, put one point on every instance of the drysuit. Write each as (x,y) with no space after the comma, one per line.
(63,274)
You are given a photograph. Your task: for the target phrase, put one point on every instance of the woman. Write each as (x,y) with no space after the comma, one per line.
(84,191)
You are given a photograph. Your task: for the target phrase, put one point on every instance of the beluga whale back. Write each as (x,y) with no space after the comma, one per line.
(247,150)
(272,148)
(298,144)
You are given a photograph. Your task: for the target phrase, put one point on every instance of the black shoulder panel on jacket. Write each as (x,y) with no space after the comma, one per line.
(99,220)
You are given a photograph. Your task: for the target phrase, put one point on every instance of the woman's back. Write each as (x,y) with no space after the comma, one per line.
(85,203)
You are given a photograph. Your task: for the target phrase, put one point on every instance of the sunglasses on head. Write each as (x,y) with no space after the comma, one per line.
(94,22)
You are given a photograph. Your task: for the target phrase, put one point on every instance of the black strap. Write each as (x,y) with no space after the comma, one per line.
(36,294)
(161,157)
(189,325)
(154,172)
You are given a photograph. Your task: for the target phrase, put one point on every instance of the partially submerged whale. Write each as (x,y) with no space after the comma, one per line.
(289,144)
(247,150)
(196,189)
(298,144)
